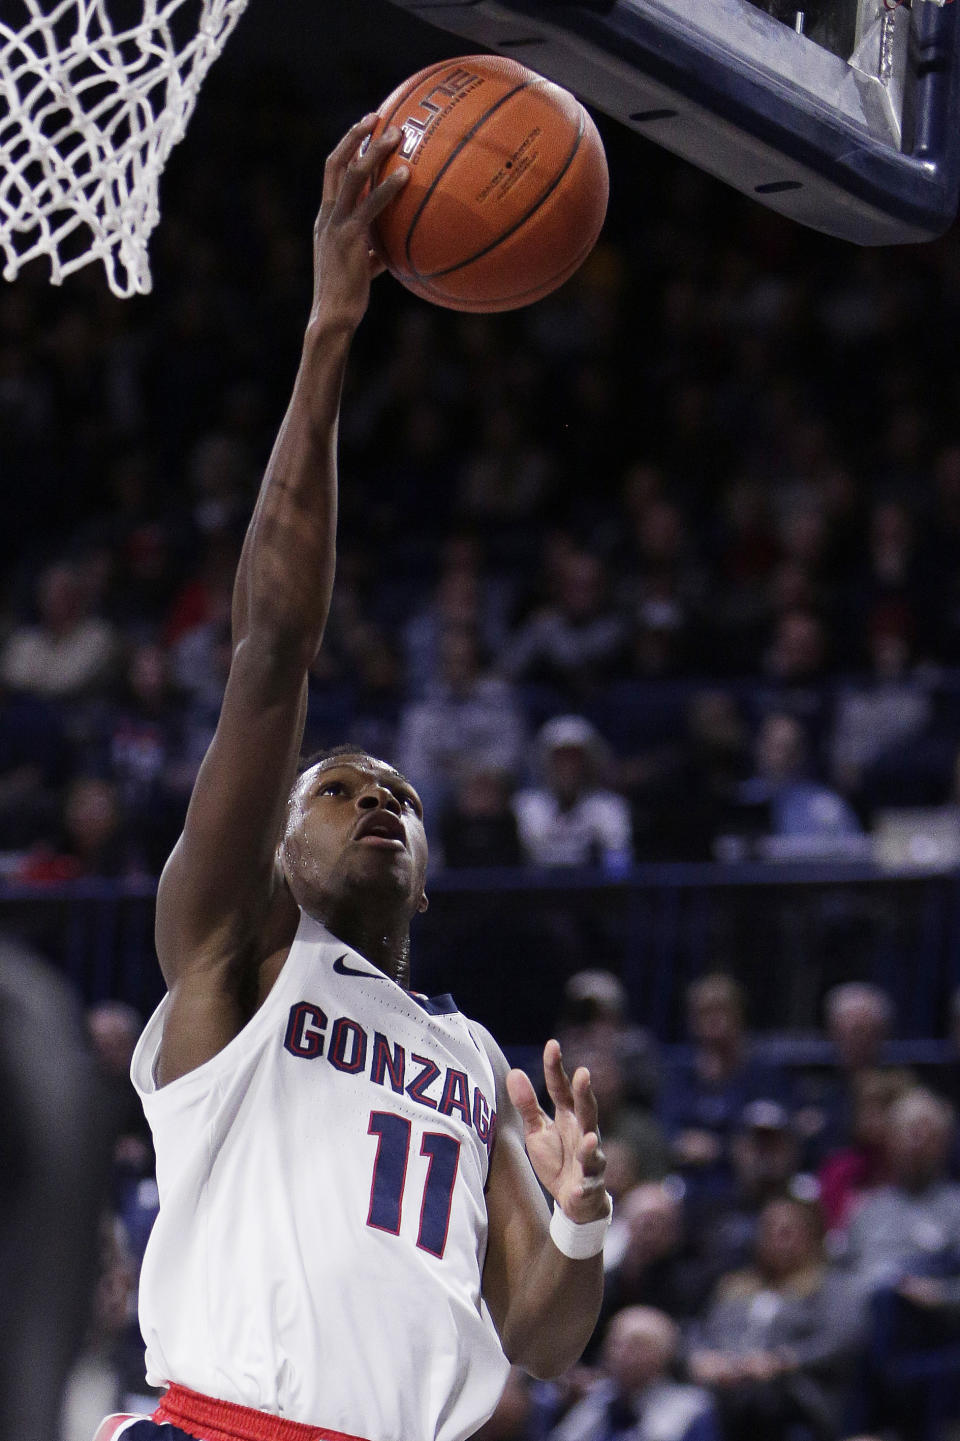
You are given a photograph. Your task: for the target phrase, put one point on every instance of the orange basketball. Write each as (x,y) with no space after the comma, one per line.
(508,184)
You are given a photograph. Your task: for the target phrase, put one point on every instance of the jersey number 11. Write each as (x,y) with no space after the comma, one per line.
(390,1173)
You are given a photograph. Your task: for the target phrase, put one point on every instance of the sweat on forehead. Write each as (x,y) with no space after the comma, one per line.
(358,760)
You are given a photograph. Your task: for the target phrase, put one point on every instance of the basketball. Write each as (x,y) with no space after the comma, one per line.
(508,184)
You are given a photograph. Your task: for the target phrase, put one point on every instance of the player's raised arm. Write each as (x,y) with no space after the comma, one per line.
(221,910)
(543,1277)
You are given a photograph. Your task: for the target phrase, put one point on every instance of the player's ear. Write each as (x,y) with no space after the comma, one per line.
(423,903)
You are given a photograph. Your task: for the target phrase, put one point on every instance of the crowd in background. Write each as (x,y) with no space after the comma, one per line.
(703,505)
(664,567)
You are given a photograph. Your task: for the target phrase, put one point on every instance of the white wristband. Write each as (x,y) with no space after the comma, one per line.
(579,1241)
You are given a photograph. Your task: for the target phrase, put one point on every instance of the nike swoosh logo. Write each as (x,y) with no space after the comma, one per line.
(342,969)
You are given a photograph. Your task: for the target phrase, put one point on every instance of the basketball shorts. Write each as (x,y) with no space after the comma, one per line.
(185,1415)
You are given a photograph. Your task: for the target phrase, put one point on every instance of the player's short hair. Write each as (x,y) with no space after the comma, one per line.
(333,753)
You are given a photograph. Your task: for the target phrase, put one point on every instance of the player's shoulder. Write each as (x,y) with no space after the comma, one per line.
(493,1052)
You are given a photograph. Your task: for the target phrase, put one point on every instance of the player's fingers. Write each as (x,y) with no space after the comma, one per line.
(556,1078)
(584,1101)
(590,1155)
(382,194)
(341,155)
(524,1097)
(364,166)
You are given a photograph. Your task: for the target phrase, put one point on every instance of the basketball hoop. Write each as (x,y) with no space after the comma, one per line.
(94,94)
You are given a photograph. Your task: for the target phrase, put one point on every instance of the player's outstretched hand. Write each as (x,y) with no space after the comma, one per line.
(565,1152)
(343,261)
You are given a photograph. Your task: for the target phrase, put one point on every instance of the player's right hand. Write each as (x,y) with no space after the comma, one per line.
(343,260)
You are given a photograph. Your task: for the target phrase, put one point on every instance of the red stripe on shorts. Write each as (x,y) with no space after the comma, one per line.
(211,1420)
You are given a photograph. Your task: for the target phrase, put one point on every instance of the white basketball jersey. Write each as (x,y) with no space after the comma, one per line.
(322,1228)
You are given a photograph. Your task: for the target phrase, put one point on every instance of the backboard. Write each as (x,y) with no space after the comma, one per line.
(842,115)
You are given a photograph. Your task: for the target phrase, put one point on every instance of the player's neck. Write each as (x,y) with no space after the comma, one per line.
(386,943)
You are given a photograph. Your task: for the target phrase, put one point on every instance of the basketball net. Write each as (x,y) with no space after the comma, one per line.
(94,94)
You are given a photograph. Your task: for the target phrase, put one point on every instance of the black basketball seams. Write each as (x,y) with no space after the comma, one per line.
(464,141)
(507,302)
(426,278)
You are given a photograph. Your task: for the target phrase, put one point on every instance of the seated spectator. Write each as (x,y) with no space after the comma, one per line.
(92,840)
(848,1176)
(765,1154)
(572,820)
(779,1342)
(595,1008)
(688,809)
(890,707)
(637,1399)
(704,1093)
(67,652)
(468,719)
(35,757)
(465,595)
(906,1236)
(649,1259)
(139,739)
(859,1020)
(904,1253)
(576,639)
(783,809)
(478,827)
(620,1119)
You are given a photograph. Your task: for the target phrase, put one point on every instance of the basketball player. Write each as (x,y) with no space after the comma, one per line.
(351,1239)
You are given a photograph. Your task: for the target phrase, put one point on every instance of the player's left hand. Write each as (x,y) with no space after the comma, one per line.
(564,1152)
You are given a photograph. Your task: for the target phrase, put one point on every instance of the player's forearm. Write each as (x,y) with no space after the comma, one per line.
(553,1316)
(285,577)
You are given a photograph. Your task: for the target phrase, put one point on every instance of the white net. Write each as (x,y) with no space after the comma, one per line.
(94,94)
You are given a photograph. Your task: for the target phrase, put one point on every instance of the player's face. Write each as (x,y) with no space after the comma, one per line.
(355,821)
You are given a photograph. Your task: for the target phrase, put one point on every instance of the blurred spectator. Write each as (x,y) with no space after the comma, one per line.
(890,708)
(67,652)
(465,596)
(859,1021)
(619,1118)
(35,758)
(574,641)
(140,740)
(782,809)
(93,839)
(906,1235)
(468,719)
(705,1092)
(696,804)
(904,1252)
(890,586)
(478,827)
(571,820)
(780,1340)
(765,1155)
(637,1399)
(849,1175)
(595,1008)
(114,1029)
(650,1257)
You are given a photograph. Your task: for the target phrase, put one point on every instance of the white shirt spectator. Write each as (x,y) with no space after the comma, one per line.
(594,830)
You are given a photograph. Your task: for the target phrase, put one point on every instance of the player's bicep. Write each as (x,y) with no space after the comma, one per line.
(219,878)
